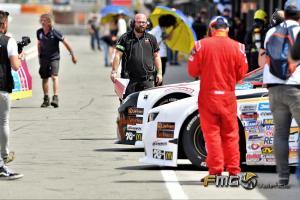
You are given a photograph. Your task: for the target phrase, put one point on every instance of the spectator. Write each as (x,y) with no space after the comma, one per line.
(160,34)
(199,26)
(93,30)
(141,53)
(295,58)
(220,63)
(105,44)
(239,29)
(110,39)
(122,25)
(255,37)
(9,59)
(173,57)
(49,56)
(284,95)
(227,15)
(276,19)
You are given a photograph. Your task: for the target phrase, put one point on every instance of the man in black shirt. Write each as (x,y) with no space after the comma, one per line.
(49,56)
(140,53)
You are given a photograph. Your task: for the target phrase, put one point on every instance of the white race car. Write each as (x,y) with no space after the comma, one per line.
(133,113)
(173,132)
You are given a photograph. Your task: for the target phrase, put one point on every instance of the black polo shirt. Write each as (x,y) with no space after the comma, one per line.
(49,43)
(138,53)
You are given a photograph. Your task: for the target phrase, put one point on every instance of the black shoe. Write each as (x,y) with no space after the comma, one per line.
(54,101)
(46,102)
(283,182)
(7,174)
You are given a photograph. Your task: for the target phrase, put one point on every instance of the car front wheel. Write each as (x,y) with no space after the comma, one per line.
(193,142)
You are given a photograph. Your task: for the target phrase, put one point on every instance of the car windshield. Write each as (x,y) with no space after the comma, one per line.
(255,76)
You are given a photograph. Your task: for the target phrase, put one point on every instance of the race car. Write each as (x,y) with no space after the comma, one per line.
(173,132)
(133,112)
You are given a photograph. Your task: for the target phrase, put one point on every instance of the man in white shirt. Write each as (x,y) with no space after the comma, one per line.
(284,96)
(122,26)
(9,59)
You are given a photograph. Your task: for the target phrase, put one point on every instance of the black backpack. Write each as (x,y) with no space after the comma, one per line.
(277,48)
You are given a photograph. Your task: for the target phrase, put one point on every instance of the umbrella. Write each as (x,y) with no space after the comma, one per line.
(108,12)
(183,37)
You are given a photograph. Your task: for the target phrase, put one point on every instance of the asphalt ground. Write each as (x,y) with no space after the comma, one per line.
(69,152)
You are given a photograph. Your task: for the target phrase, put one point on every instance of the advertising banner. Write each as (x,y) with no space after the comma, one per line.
(23,82)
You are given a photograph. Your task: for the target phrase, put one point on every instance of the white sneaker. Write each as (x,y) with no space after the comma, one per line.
(7,174)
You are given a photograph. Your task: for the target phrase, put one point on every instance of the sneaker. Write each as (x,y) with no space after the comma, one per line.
(7,174)
(9,158)
(46,102)
(54,101)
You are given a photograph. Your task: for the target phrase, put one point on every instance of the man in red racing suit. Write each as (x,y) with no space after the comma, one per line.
(220,63)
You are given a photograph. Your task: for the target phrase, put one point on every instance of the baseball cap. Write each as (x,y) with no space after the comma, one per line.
(292,5)
(218,21)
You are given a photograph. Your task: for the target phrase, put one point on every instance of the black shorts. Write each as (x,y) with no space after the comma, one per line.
(48,68)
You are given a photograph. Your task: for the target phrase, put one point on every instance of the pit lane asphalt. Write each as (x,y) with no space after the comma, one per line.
(68,152)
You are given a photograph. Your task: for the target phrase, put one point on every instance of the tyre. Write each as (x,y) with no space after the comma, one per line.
(193,142)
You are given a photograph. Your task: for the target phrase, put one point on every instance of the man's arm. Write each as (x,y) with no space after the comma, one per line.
(195,60)
(115,65)
(15,62)
(67,45)
(243,63)
(157,63)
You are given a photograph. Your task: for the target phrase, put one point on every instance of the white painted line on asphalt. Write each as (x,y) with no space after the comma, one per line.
(174,188)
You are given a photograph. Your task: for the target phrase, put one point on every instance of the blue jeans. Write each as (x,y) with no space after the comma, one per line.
(95,39)
(284,104)
(105,49)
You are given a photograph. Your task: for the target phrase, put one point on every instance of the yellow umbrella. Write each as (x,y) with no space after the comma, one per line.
(183,36)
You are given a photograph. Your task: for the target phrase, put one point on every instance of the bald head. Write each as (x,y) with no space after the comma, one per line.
(140,23)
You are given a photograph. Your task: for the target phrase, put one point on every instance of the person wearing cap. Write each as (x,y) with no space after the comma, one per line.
(9,59)
(284,96)
(295,58)
(219,62)
(255,37)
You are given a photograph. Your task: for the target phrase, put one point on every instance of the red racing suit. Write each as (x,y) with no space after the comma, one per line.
(220,63)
